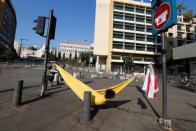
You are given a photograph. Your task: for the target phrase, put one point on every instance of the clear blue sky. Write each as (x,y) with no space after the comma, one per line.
(75,19)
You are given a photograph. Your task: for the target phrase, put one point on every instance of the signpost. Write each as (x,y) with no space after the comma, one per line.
(164,16)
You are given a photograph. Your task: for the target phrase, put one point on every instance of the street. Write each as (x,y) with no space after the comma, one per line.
(61,109)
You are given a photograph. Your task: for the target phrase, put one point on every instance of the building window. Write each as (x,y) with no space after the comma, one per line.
(116,57)
(129,36)
(118,35)
(118,16)
(140,18)
(140,10)
(148,11)
(118,25)
(140,47)
(129,17)
(148,20)
(129,8)
(140,28)
(148,59)
(117,45)
(118,6)
(138,58)
(129,26)
(140,37)
(129,46)
(151,48)
(170,34)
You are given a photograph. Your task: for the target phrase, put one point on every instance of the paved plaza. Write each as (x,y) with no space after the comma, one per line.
(61,109)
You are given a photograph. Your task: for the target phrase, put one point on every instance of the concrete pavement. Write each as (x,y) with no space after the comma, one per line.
(61,109)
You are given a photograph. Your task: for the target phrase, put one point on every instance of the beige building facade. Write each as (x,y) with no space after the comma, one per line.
(73,48)
(183,33)
(123,28)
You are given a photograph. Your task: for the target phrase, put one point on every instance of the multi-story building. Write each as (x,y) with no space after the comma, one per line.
(123,28)
(7,23)
(183,33)
(71,48)
(182,37)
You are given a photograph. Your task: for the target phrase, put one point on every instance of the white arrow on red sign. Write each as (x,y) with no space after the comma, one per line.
(161,16)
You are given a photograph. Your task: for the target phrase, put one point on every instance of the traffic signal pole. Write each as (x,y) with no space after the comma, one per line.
(44,75)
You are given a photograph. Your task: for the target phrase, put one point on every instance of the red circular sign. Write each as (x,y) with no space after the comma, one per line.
(161,16)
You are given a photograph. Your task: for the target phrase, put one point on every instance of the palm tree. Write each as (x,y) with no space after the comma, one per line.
(189,15)
(180,8)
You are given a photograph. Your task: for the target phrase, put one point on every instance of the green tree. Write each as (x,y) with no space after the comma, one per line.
(128,63)
(75,55)
(70,56)
(52,55)
(189,15)
(64,56)
(59,55)
(9,54)
(84,57)
(180,8)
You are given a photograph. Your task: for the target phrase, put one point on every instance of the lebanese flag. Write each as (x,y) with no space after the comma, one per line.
(151,83)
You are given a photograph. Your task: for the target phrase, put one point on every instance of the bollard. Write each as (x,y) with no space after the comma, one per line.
(17,96)
(86,115)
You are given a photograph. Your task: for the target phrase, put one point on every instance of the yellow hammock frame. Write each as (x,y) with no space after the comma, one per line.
(98,96)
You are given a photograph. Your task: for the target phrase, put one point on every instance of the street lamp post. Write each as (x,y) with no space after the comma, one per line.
(20,48)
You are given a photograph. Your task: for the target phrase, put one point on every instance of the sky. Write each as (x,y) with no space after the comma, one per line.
(75,20)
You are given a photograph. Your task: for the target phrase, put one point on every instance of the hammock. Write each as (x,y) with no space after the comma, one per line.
(99,97)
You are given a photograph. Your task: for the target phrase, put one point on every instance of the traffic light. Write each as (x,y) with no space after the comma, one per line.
(40,27)
(52,27)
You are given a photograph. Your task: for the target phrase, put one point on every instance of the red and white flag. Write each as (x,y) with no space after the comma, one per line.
(151,83)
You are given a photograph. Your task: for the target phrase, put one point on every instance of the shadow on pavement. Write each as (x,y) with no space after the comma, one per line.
(87,82)
(58,91)
(51,92)
(108,105)
(143,94)
(141,103)
(12,89)
(53,88)
(35,99)
(193,106)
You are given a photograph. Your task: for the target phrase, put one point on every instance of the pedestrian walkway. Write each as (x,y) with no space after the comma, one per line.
(61,109)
